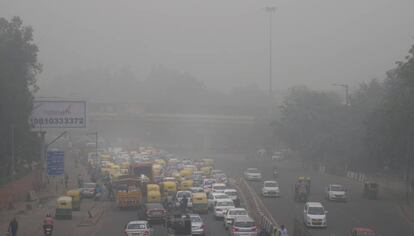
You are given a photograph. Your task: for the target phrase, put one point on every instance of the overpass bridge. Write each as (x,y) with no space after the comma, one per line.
(181,130)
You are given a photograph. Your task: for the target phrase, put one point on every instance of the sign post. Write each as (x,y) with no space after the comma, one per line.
(55,163)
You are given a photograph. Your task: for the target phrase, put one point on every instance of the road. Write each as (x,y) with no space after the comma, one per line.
(115,220)
(383,214)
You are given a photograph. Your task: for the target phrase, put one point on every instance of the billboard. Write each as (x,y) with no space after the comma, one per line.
(58,114)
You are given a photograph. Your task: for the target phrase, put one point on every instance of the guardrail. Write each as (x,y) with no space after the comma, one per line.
(256,208)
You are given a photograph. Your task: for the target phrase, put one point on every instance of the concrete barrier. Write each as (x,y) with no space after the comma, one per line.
(256,208)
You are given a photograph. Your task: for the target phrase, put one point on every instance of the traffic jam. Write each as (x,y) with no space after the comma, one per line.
(177,194)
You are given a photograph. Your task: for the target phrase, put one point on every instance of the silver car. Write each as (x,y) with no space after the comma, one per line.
(138,228)
(197,225)
(243,226)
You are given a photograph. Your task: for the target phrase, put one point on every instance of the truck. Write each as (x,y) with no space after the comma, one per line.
(141,169)
(128,192)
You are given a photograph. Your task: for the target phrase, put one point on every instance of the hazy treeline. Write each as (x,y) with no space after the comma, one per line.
(18,70)
(374,132)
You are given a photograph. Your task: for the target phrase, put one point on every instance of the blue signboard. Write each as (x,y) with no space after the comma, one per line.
(55,163)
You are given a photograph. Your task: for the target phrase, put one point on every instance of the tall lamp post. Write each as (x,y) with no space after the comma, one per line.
(270,10)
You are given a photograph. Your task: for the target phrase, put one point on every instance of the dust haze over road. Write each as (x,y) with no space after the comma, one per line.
(313,94)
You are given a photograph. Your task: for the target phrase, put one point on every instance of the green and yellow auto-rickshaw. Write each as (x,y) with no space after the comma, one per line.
(64,208)
(75,195)
(200,203)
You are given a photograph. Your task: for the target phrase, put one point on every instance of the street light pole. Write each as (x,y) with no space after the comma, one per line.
(270,11)
(346,87)
(13,167)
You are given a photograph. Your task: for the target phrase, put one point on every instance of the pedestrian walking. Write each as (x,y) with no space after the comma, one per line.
(282,231)
(13,226)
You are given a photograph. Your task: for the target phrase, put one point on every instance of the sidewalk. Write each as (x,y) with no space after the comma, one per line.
(30,215)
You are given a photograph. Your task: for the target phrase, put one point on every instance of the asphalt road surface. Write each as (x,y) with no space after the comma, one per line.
(114,221)
(383,214)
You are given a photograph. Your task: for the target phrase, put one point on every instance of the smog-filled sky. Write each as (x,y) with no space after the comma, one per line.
(223,43)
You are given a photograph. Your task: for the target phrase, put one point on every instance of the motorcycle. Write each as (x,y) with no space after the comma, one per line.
(48,229)
(275,173)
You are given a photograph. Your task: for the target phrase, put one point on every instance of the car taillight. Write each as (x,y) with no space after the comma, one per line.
(234,229)
(254,228)
(146,233)
(126,234)
(203,226)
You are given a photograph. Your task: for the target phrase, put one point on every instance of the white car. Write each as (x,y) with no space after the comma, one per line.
(213,197)
(335,192)
(179,196)
(232,193)
(140,227)
(252,174)
(231,214)
(222,206)
(218,188)
(270,189)
(314,215)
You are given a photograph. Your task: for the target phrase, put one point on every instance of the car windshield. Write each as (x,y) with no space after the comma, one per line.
(136,226)
(337,188)
(195,219)
(244,224)
(226,203)
(89,185)
(181,194)
(253,170)
(271,184)
(231,193)
(219,187)
(221,196)
(209,181)
(316,211)
(238,212)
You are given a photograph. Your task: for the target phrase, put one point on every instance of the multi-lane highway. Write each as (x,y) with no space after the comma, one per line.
(383,215)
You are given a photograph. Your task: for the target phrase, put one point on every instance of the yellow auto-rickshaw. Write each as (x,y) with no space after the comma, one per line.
(186,185)
(206,170)
(154,197)
(153,187)
(63,208)
(170,186)
(186,173)
(75,195)
(200,203)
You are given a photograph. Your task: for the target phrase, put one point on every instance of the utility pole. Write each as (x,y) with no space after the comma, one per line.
(13,167)
(270,11)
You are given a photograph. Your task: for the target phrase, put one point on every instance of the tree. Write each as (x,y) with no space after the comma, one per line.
(18,70)
(310,122)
